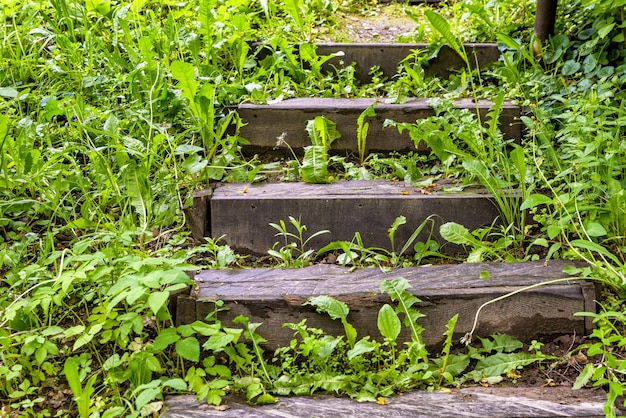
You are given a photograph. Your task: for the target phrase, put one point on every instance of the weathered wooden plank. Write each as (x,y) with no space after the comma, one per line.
(388,56)
(274,297)
(243,212)
(467,402)
(266,123)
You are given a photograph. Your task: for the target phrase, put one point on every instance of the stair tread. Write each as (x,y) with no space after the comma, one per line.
(468,402)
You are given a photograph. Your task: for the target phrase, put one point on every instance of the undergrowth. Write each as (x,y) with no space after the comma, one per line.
(113,112)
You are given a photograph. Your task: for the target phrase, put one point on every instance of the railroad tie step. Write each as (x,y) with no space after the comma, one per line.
(282,124)
(274,297)
(241,213)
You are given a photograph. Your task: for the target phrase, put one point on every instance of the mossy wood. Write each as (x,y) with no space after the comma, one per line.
(286,120)
(276,296)
(242,212)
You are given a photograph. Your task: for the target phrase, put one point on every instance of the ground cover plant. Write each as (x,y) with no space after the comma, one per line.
(112,112)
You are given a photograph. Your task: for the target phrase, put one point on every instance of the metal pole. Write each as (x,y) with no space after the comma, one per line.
(545,19)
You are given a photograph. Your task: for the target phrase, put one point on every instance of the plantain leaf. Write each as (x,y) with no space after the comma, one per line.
(456,233)
(389,324)
(535,200)
(314,165)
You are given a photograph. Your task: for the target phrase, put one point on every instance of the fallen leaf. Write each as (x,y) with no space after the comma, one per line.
(513,374)
(381,401)
(221,407)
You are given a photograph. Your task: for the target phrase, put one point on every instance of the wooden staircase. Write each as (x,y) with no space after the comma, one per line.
(241,213)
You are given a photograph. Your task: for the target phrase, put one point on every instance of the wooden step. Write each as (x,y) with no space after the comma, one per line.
(266,123)
(388,56)
(275,296)
(477,402)
(242,213)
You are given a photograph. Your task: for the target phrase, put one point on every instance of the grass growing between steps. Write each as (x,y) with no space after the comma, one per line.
(112,112)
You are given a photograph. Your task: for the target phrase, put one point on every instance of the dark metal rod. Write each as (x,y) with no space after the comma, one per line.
(545,19)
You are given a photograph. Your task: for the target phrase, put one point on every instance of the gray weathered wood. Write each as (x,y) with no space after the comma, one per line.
(274,297)
(266,123)
(468,402)
(388,56)
(243,212)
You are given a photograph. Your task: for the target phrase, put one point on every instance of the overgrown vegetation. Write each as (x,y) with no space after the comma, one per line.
(112,112)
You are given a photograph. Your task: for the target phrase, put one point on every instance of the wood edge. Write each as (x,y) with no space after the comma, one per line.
(185,309)
(198,214)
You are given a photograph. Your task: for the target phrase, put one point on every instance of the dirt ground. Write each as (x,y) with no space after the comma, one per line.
(384,23)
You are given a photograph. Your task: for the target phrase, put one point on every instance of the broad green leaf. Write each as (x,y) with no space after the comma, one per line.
(584,376)
(217,342)
(147,395)
(594,247)
(329,305)
(185,74)
(456,233)
(500,363)
(389,324)
(187,149)
(605,29)
(589,64)
(314,165)
(194,164)
(456,363)
(500,343)
(535,200)
(138,188)
(570,67)
(322,132)
(517,156)
(166,337)
(157,300)
(508,41)
(364,345)
(70,369)
(87,336)
(176,383)
(595,229)
(188,348)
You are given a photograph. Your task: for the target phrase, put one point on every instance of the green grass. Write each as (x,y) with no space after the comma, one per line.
(112,113)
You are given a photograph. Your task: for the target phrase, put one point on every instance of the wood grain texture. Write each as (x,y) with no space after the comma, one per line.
(467,402)
(274,297)
(287,119)
(243,212)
